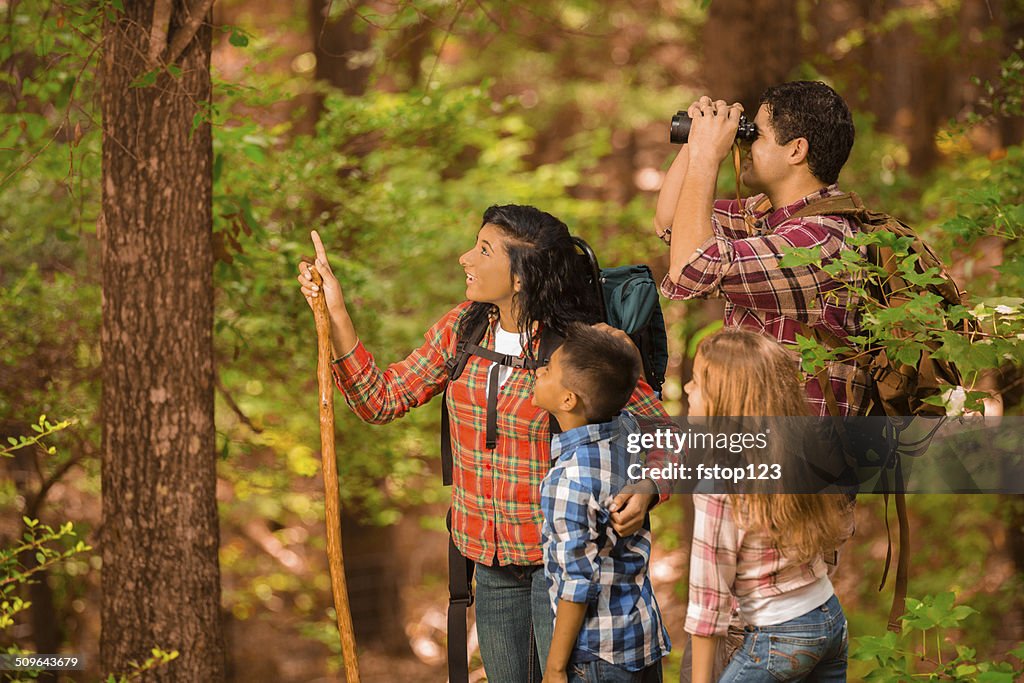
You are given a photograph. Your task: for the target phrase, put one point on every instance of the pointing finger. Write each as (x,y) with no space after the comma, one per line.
(321,254)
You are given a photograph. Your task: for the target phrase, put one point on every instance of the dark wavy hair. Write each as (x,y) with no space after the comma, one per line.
(556,289)
(816,112)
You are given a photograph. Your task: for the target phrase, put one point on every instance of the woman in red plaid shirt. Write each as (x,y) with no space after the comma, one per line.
(523,275)
(765,552)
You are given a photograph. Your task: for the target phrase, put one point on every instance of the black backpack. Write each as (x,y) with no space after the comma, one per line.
(629,300)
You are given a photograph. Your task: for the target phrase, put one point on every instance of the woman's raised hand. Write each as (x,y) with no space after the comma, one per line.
(331,288)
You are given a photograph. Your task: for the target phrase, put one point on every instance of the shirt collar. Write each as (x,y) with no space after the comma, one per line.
(568,442)
(771,218)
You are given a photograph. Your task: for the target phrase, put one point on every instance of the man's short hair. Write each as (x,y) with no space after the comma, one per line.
(601,367)
(812,110)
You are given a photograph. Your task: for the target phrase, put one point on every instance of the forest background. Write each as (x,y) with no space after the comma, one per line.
(390,127)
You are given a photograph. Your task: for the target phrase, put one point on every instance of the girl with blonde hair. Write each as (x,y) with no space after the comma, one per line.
(765,551)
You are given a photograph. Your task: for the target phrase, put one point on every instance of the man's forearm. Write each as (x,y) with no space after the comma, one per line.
(668,197)
(568,621)
(692,220)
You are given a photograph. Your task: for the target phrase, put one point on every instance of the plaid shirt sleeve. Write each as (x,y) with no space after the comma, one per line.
(746,271)
(712,566)
(573,541)
(651,415)
(380,396)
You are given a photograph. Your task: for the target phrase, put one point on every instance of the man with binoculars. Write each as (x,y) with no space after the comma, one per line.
(801,137)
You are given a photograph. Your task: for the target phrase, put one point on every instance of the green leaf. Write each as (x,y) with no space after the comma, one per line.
(908,354)
(964,652)
(996,677)
(145,80)
(238,39)
(796,257)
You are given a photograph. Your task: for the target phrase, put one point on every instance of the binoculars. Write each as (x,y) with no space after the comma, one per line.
(680,131)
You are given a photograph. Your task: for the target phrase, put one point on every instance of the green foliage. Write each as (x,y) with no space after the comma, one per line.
(914,320)
(896,657)
(40,546)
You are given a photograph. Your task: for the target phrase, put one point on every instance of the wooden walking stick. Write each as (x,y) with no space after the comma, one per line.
(339,586)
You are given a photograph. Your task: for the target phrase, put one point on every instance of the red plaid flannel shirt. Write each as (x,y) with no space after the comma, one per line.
(760,296)
(496,513)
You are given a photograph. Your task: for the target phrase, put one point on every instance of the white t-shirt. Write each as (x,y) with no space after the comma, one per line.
(510,344)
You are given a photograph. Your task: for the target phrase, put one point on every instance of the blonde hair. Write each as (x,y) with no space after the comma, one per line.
(745,374)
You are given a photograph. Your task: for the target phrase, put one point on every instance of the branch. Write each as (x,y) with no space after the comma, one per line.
(187,32)
(235,408)
(158,31)
(37,500)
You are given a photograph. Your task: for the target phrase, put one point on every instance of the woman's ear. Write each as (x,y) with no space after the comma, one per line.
(517,284)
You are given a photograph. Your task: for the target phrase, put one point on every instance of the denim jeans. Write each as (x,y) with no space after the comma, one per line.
(811,647)
(514,622)
(600,671)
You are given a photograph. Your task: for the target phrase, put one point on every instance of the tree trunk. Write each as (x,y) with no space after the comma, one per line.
(748,46)
(160,579)
(337,45)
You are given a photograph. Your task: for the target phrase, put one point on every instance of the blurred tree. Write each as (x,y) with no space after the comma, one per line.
(748,46)
(161,581)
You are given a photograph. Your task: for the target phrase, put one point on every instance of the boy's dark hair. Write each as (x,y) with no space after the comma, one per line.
(812,110)
(601,367)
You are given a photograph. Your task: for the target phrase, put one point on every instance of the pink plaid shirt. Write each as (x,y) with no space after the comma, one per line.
(727,561)
(743,268)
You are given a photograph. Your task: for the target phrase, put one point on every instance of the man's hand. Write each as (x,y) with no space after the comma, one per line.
(712,129)
(629,508)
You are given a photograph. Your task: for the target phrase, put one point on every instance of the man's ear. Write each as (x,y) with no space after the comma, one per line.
(798,151)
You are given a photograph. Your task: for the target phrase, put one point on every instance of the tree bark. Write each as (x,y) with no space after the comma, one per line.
(749,45)
(160,579)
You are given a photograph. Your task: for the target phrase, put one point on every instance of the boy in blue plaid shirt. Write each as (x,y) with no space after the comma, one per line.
(608,626)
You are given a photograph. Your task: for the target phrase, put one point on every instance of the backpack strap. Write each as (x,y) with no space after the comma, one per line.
(456,364)
(899,592)
(461,568)
(500,360)
(845,204)
(460,597)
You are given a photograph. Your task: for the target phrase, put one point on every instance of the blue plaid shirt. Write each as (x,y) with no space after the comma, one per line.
(586,561)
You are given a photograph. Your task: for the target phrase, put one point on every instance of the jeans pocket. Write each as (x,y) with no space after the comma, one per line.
(578,673)
(792,657)
(609,673)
